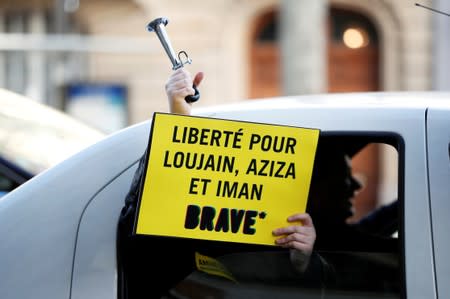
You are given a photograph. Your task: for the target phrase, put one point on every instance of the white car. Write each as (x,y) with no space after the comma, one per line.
(34,137)
(58,231)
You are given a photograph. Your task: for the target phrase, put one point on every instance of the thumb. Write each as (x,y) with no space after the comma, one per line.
(198,78)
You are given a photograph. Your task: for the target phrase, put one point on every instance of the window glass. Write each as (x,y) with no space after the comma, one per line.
(34,137)
(352,256)
(6,184)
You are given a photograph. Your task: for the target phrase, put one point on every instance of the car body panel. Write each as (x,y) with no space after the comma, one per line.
(95,256)
(438,128)
(410,125)
(40,220)
(58,229)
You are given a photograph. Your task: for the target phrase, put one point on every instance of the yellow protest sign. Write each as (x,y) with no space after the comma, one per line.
(224,180)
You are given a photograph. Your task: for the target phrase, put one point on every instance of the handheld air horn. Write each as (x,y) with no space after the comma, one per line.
(178,61)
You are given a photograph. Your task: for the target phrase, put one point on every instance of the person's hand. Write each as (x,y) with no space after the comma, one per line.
(299,238)
(178,87)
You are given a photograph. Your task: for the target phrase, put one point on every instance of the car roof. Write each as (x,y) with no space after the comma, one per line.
(366,100)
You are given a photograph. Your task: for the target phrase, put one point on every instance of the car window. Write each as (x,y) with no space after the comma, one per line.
(6,184)
(10,177)
(354,203)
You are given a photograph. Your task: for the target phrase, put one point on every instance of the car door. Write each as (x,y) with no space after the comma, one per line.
(409,124)
(44,223)
(95,258)
(438,148)
(95,266)
(402,128)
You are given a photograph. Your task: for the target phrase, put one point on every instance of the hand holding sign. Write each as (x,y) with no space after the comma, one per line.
(299,237)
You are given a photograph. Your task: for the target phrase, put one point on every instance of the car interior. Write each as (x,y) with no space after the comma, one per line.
(355,201)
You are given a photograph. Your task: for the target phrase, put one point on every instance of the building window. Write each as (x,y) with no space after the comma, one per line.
(35,69)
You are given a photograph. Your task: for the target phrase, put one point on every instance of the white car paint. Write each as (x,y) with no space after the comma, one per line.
(57,231)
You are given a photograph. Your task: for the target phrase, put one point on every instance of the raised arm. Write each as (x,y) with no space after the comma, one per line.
(178,86)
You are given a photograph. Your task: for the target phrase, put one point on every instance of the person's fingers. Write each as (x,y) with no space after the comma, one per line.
(302,238)
(183,91)
(180,75)
(180,89)
(184,79)
(178,86)
(304,218)
(178,82)
(294,229)
(198,78)
(290,230)
(306,248)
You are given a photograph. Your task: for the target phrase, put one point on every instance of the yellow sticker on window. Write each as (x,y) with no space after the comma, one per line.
(212,266)
(224,180)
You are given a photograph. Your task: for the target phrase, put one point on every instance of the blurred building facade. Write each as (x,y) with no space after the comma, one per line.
(247,48)
(95,59)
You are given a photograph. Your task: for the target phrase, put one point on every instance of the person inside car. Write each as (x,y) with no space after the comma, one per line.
(323,225)
(300,238)
(332,189)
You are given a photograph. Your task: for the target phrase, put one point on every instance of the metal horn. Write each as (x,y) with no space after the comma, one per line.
(158,26)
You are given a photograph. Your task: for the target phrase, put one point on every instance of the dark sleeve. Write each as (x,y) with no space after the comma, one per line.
(144,259)
(382,221)
(124,242)
(319,272)
(128,211)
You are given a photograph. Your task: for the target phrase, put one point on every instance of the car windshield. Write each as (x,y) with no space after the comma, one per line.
(35,137)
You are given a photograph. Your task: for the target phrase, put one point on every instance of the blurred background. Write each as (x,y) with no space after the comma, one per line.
(95,60)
